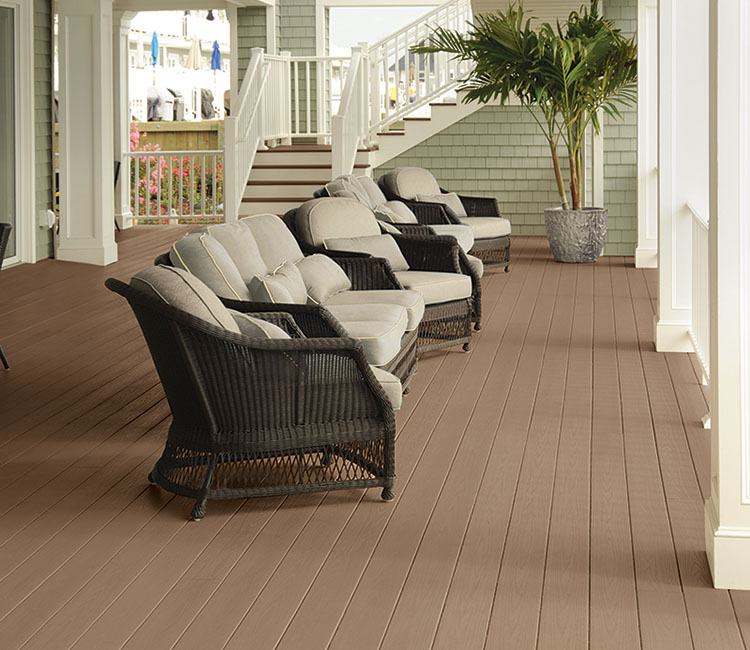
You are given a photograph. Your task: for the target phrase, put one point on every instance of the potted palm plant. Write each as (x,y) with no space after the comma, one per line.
(564,76)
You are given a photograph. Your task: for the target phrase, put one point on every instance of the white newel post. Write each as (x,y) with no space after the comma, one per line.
(87,225)
(648,134)
(728,508)
(121,104)
(682,161)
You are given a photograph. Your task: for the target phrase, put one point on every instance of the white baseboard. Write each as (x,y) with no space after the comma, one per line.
(98,256)
(672,337)
(727,549)
(645,258)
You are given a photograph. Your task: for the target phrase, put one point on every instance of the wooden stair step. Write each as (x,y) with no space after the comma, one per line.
(303,166)
(306,148)
(275,199)
(417,119)
(392,133)
(443,104)
(290,182)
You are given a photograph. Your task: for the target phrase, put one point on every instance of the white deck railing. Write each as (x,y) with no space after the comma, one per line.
(244,131)
(349,127)
(401,81)
(699,325)
(173,185)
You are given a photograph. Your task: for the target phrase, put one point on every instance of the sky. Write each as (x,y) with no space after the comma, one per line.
(351,25)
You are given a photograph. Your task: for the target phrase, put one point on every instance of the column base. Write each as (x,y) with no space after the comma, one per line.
(672,337)
(124,220)
(727,549)
(85,255)
(646,258)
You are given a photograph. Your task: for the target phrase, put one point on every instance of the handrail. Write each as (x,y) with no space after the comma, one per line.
(415,23)
(347,125)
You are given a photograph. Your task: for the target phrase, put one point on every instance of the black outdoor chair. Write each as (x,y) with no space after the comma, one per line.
(5,229)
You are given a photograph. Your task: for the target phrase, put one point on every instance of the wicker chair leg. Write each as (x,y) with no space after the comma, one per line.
(477,327)
(507,268)
(387,494)
(151,478)
(199,510)
(467,346)
(4,360)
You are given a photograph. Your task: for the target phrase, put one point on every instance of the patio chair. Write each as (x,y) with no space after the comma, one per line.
(343,228)
(257,408)
(5,229)
(418,189)
(256,261)
(395,217)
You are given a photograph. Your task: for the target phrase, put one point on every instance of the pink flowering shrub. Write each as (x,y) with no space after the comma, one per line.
(190,182)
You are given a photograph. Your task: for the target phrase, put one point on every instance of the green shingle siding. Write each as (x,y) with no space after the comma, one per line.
(500,152)
(251,32)
(43,120)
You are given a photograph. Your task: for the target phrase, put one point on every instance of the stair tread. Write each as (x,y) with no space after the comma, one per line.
(417,119)
(275,199)
(392,133)
(282,182)
(443,104)
(305,148)
(303,166)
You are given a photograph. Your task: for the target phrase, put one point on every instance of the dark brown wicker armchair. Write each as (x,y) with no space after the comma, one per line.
(444,324)
(257,417)
(5,229)
(402,184)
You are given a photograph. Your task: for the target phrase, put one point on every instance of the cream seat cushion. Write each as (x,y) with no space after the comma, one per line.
(487,227)
(464,234)
(435,286)
(412,301)
(378,327)
(391,385)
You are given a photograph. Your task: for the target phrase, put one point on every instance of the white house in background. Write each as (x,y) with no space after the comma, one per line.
(693,161)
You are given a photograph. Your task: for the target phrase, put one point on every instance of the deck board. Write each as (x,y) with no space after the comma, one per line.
(549,494)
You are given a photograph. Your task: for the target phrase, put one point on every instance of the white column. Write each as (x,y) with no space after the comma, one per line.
(121,104)
(682,161)
(86,132)
(728,508)
(648,134)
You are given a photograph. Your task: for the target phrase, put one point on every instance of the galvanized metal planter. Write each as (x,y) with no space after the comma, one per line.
(576,235)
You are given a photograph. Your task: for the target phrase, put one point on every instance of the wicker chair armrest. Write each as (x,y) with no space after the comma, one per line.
(281,319)
(429,214)
(315,321)
(479,206)
(430,252)
(414,229)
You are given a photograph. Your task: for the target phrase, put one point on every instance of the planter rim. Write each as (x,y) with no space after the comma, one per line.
(586,209)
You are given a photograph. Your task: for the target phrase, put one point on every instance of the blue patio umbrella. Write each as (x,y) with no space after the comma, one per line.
(154,49)
(216,57)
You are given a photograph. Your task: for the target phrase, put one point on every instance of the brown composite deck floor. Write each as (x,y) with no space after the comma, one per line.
(550,488)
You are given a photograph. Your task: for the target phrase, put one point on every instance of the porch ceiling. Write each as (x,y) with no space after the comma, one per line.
(550,487)
(179,5)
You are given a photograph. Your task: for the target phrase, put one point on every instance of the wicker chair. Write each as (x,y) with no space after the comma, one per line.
(338,227)
(395,217)
(5,229)
(239,261)
(418,189)
(263,416)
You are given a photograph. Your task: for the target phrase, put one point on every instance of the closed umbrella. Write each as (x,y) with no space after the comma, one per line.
(154,53)
(216,57)
(194,55)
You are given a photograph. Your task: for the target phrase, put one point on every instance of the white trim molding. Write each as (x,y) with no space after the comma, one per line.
(728,508)
(646,254)
(25,227)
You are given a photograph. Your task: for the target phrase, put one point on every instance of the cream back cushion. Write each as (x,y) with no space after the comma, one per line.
(275,242)
(323,277)
(449,198)
(239,242)
(257,328)
(376,245)
(178,288)
(395,212)
(407,182)
(320,219)
(203,256)
(284,285)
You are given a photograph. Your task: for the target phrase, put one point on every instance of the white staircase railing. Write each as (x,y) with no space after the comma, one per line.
(349,127)
(244,132)
(700,323)
(401,81)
